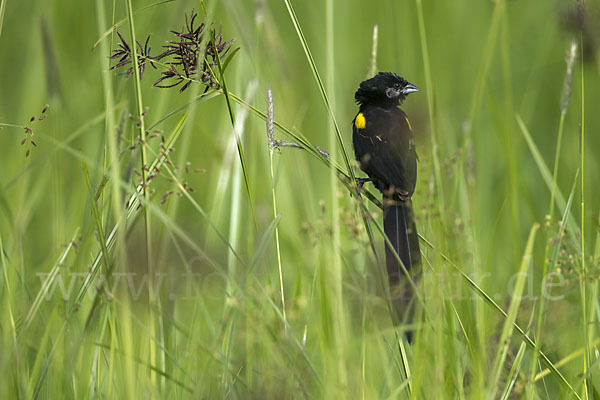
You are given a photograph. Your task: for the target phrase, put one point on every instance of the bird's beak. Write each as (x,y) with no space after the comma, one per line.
(409,88)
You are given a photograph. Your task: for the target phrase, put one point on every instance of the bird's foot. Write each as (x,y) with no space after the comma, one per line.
(360,183)
(394,195)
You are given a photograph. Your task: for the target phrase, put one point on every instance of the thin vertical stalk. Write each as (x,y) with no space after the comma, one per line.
(373,65)
(140,109)
(430,106)
(587,386)
(508,125)
(271,138)
(363,346)
(336,245)
(117,200)
(563,112)
(225,91)
(145,192)
(322,90)
(2,8)
(513,309)
(9,299)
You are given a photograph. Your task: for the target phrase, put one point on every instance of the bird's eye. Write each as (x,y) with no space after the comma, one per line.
(396,86)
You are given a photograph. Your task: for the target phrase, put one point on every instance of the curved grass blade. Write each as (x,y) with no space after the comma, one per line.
(2,8)
(514,372)
(513,308)
(565,360)
(430,105)
(315,152)
(48,282)
(263,244)
(324,96)
(229,58)
(551,269)
(524,337)
(401,364)
(547,176)
(300,139)
(112,28)
(223,85)
(199,99)
(97,218)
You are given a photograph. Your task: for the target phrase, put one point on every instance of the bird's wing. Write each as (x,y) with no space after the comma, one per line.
(384,147)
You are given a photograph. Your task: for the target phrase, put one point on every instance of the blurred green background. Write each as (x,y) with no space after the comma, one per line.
(214,325)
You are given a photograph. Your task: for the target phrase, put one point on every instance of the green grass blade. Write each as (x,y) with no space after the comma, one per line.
(270,136)
(116,25)
(97,219)
(514,372)
(142,128)
(547,176)
(513,308)
(524,337)
(587,355)
(400,364)
(130,213)
(49,282)
(565,360)
(240,148)
(549,267)
(2,8)
(263,243)
(197,100)
(430,104)
(321,87)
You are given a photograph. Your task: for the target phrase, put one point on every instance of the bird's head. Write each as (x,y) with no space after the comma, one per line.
(384,88)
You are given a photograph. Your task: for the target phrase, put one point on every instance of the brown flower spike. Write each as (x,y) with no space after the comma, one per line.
(188,58)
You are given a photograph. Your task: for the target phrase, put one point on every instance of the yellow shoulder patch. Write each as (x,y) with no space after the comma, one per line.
(408,122)
(360,122)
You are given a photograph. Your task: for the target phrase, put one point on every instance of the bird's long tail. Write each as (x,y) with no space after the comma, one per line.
(399,226)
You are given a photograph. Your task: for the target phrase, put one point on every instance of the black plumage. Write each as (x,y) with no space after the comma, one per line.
(385,148)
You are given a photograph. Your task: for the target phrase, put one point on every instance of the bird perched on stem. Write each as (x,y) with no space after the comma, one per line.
(385,148)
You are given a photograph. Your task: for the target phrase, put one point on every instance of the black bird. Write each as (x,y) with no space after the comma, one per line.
(385,148)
